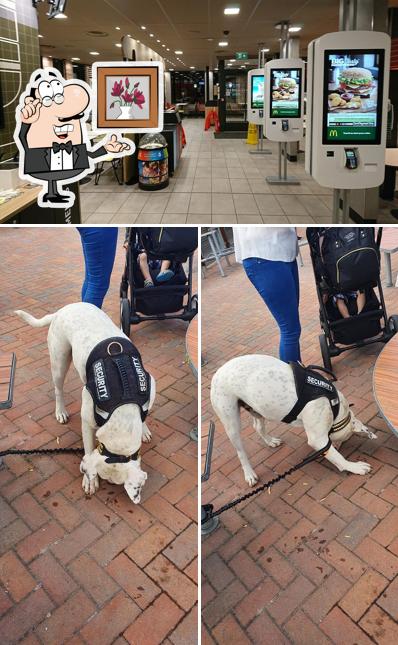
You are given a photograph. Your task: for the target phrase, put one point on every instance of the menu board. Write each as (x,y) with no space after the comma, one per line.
(286,93)
(257,92)
(353,96)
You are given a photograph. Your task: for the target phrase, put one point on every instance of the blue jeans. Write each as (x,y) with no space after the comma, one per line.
(278,285)
(99,249)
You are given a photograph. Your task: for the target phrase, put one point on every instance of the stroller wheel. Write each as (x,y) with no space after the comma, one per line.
(125,316)
(325,352)
(393,323)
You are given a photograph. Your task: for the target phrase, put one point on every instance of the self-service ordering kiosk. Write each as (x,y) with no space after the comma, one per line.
(347,90)
(255,93)
(284,99)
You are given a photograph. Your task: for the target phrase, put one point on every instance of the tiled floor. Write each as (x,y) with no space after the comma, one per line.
(99,570)
(315,561)
(217,182)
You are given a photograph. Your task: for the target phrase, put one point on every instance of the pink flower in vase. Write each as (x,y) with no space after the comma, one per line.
(117,89)
(127,83)
(127,97)
(139,98)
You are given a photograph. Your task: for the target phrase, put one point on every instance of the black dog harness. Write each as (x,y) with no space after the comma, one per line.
(310,385)
(115,376)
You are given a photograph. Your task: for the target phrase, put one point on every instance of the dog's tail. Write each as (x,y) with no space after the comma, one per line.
(35,322)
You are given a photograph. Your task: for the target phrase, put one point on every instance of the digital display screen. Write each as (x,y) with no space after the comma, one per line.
(257,92)
(286,93)
(353,96)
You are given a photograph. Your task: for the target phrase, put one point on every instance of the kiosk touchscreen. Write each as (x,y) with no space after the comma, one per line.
(347,108)
(255,96)
(284,80)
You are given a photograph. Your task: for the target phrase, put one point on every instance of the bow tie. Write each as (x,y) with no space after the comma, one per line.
(62,146)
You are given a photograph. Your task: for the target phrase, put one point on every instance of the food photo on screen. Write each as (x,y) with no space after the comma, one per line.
(285,93)
(353,81)
(258,92)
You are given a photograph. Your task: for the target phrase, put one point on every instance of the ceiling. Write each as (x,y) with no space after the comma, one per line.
(193,26)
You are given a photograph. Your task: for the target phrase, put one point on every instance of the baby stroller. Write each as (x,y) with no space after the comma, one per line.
(346,260)
(161,301)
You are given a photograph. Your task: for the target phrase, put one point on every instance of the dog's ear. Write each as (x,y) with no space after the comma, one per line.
(359,428)
(134,484)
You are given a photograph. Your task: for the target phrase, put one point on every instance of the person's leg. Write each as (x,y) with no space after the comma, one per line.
(361,301)
(342,307)
(166,272)
(144,268)
(278,285)
(99,245)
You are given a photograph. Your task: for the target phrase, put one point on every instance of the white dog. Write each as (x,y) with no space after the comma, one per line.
(266,387)
(74,331)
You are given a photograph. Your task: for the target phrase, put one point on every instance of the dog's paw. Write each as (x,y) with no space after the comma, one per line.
(90,485)
(61,415)
(273,442)
(360,468)
(251,478)
(146,434)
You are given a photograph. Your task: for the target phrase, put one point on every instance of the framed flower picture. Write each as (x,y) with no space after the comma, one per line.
(129,96)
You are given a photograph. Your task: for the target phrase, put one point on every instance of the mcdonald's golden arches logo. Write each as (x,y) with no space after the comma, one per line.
(332,133)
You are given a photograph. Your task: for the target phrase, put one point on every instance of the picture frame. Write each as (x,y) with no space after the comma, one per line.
(128,96)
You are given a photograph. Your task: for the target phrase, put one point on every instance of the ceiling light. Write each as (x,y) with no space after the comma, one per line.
(94,53)
(171,70)
(158,41)
(117,45)
(142,27)
(40,36)
(75,58)
(223,43)
(231,11)
(163,45)
(178,51)
(61,16)
(229,64)
(293,30)
(191,67)
(118,28)
(168,49)
(266,49)
(151,35)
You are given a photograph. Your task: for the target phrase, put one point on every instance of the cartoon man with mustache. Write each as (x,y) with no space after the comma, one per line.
(52,138)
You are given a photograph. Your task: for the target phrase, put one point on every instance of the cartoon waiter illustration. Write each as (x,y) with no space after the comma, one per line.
(52,139)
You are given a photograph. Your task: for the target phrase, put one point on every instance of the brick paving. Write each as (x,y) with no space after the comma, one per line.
(315,561)
(100,570)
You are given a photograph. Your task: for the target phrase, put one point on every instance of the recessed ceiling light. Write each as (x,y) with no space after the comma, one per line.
(118,28)
(294,29)
(231,11)
(163,45)
(265,49)
(61,16)
(142,27)
(151,35)
(75,58)
(117,45)
(178,51)
(94,53)
(40,36)
(158,41)
(223,43)
(168,49)
(229,64)
(191,67)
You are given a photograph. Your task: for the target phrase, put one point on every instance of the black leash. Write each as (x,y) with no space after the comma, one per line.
(208,508)
(43,451)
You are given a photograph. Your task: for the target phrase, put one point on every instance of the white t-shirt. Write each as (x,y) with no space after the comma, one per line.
(278,243)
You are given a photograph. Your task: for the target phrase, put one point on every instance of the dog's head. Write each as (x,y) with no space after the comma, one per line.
(121,435)
(129,474)
(353,425)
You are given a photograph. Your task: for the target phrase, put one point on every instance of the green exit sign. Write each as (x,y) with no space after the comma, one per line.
(241,55)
